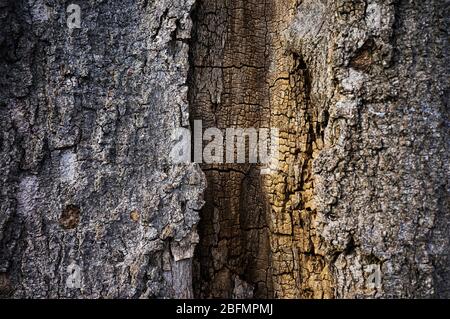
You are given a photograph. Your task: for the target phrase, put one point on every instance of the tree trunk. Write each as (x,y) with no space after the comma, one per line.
(92,206)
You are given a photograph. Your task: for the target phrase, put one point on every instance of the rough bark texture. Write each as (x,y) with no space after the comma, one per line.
(86,117)
(358,90)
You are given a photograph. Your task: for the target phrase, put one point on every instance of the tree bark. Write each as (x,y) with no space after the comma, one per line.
(357,208)
(87,116)
(358,90)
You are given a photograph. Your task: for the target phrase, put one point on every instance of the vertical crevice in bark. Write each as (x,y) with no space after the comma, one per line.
(229,64)
(256,232)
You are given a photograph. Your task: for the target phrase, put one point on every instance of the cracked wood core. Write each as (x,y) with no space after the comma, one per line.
(256,229)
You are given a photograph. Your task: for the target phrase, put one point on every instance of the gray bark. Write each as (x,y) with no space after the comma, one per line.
(358,89)
(87,116)
(380,68)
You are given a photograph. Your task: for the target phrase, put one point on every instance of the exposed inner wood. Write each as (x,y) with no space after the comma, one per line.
(256,238)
